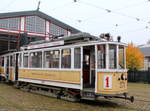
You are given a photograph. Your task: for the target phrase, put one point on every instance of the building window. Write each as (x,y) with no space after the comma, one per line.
(14,23)
(4,23)
(112,57)
(51,59)
(10,23)
(56,30)
(121,57)
(25,60)
(35,24)
(77,58)
(66,58)
(35,60)
(101,56)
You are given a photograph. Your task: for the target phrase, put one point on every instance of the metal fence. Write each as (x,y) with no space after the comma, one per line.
(139,76)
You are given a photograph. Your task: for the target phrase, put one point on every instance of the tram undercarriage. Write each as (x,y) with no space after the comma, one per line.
(66,93)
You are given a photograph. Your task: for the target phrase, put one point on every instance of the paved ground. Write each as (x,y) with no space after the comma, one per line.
(12,99)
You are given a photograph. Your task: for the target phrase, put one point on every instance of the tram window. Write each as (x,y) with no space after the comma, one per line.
(25,59)
(101,57)
(2,61)
(66,58)
(20,60)
(11,61)
(51,59)
(112,57)
(35,59)
(121,57)
(77,58)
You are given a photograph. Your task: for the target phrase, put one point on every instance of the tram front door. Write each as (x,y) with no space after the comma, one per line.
(89,67)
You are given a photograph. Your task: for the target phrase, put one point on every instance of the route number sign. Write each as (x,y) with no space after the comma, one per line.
(107,81)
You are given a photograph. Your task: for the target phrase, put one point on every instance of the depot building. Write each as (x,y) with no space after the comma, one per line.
(34,25)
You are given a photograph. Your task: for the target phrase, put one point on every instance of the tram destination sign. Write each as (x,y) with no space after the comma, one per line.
(50,44)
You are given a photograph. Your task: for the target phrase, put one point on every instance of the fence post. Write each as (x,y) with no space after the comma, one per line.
(139,76)
(135,75)
(148,75)
(130,76)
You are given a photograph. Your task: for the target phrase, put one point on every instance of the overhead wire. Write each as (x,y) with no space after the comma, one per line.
(116,12)
(124,24)
(132,5)
(122,14)
(106,10)
(111,11)
(136,30)
(64,5)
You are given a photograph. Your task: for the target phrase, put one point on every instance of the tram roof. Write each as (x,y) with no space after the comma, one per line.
(74,39)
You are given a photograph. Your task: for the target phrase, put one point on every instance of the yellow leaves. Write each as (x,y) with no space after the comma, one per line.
(134,57)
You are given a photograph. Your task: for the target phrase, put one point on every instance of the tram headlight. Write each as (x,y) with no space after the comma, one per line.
(122,76)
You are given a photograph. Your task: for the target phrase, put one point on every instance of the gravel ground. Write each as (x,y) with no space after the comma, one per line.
(12,99)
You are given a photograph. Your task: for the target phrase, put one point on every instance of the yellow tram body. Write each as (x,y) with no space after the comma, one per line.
(2,70)
(72,77)
(11,73)
(118,86)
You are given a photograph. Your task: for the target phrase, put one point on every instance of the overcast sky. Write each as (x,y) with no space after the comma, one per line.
(127,18)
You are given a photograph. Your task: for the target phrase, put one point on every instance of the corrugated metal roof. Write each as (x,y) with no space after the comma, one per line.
(40,14)
(145,51)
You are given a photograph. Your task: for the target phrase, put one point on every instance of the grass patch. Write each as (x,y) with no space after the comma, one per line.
(12,99)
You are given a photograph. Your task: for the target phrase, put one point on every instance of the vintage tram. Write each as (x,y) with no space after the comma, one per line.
(79,66)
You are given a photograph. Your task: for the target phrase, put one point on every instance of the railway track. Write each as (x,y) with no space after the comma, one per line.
(148,101)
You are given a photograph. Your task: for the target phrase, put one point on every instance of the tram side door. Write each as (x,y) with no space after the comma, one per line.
(13,65)
(89,67)
(16,66)
(11,68)
(7,67)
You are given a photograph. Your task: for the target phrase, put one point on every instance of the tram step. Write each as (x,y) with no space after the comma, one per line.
(88,98)
(88,95)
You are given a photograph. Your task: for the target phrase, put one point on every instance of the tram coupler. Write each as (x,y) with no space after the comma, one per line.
(130,98)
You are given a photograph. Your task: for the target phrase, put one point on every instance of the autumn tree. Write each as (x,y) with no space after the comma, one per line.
(134,57)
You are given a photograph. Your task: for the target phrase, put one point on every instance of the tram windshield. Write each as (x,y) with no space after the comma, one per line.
(121,57)
(101,56)
(113,56)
